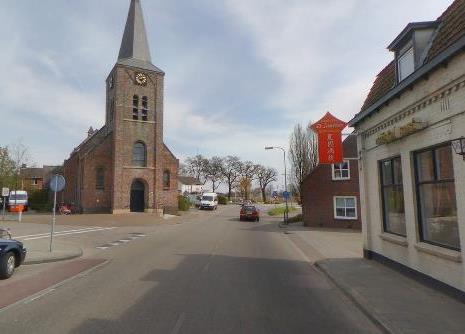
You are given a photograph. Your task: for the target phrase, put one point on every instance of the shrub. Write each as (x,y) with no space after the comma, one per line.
(223,200)
(183,203)
(39,201)
(42,207)
(296,219)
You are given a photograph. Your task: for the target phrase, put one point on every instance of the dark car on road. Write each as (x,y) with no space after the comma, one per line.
(250,212)
(12,255)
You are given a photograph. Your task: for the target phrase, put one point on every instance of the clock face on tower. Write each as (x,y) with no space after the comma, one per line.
(141,79)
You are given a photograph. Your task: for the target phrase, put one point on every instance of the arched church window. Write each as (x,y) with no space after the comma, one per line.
(145,108)
(166,179)
(100,178)
(139,155)
(135,107)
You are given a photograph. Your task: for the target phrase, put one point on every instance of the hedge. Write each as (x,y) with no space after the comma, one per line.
(183,203)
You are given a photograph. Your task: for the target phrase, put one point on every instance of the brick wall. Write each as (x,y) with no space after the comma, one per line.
(320,189)
(170,195)
(97,200)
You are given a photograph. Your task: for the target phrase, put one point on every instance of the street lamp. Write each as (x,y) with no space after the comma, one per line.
(459,146)
(286,194)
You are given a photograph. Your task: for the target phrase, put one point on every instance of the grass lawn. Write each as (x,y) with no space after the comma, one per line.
(279,210)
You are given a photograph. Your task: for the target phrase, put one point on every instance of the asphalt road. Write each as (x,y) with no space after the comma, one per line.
(211,274)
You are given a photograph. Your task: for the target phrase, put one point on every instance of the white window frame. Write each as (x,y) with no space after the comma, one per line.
(409,53)
(343,217)
(35,181)
(340,178)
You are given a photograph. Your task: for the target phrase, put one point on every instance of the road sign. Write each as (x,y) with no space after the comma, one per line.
(286,194)
(5,192)
(57,183)
(329,130)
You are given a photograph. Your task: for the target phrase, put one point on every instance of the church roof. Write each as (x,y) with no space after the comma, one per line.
(135,49)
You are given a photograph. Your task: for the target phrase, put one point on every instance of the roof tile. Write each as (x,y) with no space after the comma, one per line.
(451,28)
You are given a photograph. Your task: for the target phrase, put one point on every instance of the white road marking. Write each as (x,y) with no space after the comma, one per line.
(61,234)
(179,322)
(115,243)
(64,231)
(39,296)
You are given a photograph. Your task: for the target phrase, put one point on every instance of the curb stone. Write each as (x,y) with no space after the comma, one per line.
(357,300)
(54,259)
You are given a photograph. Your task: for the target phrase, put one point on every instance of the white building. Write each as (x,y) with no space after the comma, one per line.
(412,181)
(189,185)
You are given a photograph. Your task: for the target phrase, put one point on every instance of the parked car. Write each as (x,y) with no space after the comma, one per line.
(12,255)
(249,212)
(209,201)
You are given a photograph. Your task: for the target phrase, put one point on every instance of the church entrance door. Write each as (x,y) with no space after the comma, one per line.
(137,197)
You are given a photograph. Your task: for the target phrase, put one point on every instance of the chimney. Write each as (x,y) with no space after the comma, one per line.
(90,132)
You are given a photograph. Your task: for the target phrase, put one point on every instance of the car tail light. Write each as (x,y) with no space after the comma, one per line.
(242,211)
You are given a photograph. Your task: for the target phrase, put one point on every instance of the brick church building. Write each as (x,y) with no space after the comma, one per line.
(125,166)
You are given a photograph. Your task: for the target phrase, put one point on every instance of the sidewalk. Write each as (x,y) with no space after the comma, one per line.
(397,303)
(39,252)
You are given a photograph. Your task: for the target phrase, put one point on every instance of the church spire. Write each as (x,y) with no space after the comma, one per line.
(134,49)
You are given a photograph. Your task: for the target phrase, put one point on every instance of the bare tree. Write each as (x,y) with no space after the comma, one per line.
(196,167)
(231,169)
(7,168)
(265,176)
(247,173)
(303,156)
(214,171)
(21,158)
(183,169)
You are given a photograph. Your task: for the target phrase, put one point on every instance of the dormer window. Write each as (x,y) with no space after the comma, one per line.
(411,46)
(405,64)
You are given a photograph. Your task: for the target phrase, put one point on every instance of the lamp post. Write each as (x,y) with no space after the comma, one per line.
(286,213)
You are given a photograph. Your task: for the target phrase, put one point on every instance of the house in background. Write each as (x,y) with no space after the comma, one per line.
(331,192)
(189,185)
(33,178)
(412,181)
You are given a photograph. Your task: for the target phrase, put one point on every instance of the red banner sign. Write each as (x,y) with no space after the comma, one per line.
(329,130)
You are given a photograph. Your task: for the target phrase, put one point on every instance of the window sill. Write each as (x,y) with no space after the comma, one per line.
(135,167)
(395,239)
(346,218)
(443,253)
(342,179)
(138,121)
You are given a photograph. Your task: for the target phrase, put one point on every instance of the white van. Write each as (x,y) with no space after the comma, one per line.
(18,197)
(209,201)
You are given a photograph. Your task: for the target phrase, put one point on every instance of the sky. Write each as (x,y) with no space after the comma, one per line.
(239,73)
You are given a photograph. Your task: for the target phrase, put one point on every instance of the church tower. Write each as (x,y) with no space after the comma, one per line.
(125,166)
(134,115)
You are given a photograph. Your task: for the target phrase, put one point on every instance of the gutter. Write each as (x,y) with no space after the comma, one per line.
(413,78)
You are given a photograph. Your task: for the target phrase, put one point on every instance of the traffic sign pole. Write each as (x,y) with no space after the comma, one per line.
(54,214)
(5,193)
(4,205)
(56,184)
